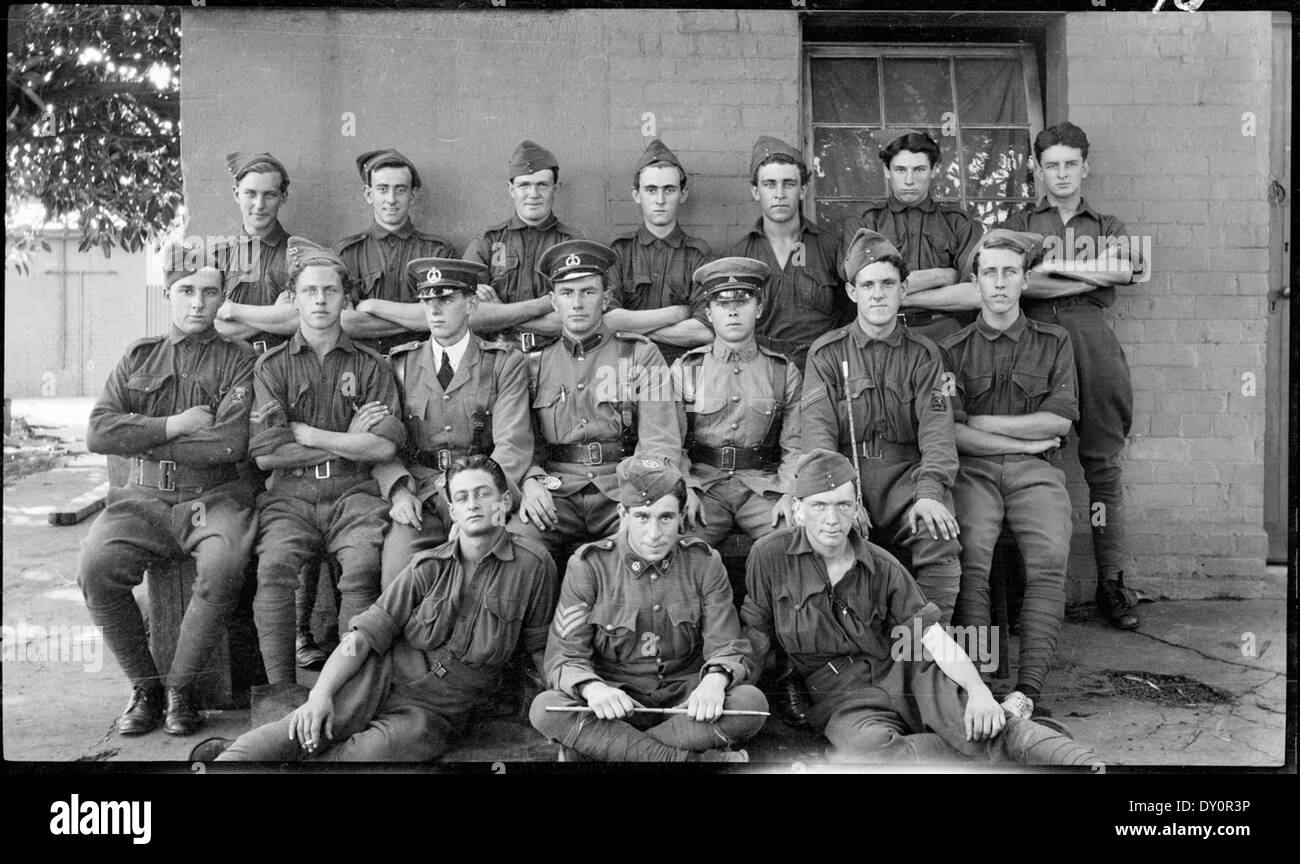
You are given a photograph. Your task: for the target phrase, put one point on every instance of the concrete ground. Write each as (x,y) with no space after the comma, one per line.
(61,691)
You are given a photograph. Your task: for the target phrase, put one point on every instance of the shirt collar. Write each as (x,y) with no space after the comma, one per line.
(991,333)
(636,565)
(722,351)
(806,226)
(456,351)
(502,549)
(861,339)
(1045,206)
(809,586)
(403,232)
(517,224)
(297,343)
(674,239)
(925,205)
(586,346)
(177,335)
(274,237)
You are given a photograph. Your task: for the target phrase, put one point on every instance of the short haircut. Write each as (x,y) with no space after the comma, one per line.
(999,243)
(295,270)
(392,162)
(660,163)
(913,142)
(1064,133)
(478,462)
(555,175)
(896,260)
(262,166)
(782,159)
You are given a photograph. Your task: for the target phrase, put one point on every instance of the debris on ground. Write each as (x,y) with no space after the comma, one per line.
(1174,690)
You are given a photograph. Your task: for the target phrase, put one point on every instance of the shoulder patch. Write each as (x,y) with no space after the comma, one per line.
(635,337)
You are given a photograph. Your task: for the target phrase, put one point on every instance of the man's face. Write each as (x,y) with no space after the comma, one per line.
(475,503)
(318,294)
(390,194)
(534,195)
(448,317)
(653,531)
(259,198)
(1062,170)
(878,291)
(195,300)
(826,518)
(580,304)
(734,320)
(659,193)
(1001,277)
(778,191)
(909,176)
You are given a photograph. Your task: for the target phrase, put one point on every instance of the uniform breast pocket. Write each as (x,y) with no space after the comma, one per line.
(143,391)
(368,285)
(865,399)
(299,398)
(416,404)
(685,618)
(797,625)
(429,625)
(614,635)
(759,413)
(812,294)
(499,625)
(707,414)
(503,266)
(899,397)
(974,389)
(1031,387)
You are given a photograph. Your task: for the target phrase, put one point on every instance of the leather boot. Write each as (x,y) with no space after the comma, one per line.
(308,654)
(182,717)
(1113,603)
(1032,743)
(144,710)
(789,697)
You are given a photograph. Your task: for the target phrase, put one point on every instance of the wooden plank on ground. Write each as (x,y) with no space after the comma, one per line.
(76,509)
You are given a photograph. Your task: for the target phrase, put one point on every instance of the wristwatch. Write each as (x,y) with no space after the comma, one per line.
(718,667)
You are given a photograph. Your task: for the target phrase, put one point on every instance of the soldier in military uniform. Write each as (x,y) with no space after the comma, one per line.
(1073,288)
(257,308)
(326,409)
(598,395)
(1015,400)
(417,663)
(934,238)
(386,312)
(645,619)
(802,298)
(740,409)
(461,396)
(888,682)
(901,425)
(653,272)
(173,418)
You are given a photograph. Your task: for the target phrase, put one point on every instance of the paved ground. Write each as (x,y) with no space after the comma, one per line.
(61,691)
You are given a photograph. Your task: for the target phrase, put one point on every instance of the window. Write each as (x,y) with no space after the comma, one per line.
(985,97)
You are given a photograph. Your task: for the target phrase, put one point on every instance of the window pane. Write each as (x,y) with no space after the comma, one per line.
(916,91)
(990,91)
(993,212)
(846,164)
(830,214)
(997,162)
(845,91)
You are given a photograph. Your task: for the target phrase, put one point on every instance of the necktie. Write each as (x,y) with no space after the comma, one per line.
(445,372)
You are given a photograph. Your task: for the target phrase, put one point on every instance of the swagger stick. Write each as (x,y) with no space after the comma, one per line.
(726,712)
(853,436)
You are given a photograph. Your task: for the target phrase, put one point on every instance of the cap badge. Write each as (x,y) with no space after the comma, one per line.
(434,275)
(572,261)
(652,464)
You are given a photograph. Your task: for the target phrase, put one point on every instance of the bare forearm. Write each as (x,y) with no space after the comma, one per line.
(646,320)
(973,442)
(292,455)
(342,664)
(950,658)
(357,446)
(690,333)
(359,325)
(948,298)
(278,318)
(1026,427)
(547,325)
(407,316)
(1045,286)
(491,317)
(235,330)
(931,277)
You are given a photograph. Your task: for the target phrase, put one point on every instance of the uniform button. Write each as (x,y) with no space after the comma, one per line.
(185,374)
(657,607)
(581,385)
(636,565)
(591,476)
(735,398)
(609,626)
(653,577)
(737,370)
(735,425)
(583,421)
(445,397)
(446,428)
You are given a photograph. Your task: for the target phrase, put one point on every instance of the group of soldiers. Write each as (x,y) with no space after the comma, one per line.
(452,434)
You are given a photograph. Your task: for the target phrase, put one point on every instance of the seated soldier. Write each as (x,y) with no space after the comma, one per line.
(461,395)
(1015,400)
(740,410)
(645,620)
(417,663)
(325,411)
(844,610)
(173,418)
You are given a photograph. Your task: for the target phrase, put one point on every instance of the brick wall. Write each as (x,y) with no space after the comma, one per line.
(1162,98)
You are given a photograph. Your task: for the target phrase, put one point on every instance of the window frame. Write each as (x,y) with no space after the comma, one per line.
(1024,51)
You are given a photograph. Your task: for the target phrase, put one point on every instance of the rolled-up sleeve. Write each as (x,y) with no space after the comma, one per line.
(386,618)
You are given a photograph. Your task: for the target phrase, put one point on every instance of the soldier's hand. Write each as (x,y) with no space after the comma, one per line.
(312,719)
(862,520)
(936,517)
(226,311)
(609,703)
(406,508)
(984,716)
(486,294)
(191,420)
(538,507)
(1042,445)
(783,509)
(694,512)
(367,416)
(302,433)
(705,701)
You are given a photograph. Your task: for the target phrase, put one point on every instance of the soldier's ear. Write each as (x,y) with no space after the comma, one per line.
(798,512)
(1083,174)
(681,199)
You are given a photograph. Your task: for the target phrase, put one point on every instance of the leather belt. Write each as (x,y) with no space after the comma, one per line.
(922,317)
(734,458)
(529,342)
(167,476)
(439,459)
(338,467)
(878,448)
(590,453)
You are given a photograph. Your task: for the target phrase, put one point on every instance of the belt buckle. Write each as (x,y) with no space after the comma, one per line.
(595,453)
(528,341)
(165,468)
(444,459)
(835,669)
(328,469)
(728,455)
(260,346)
(867,453)
(438,669)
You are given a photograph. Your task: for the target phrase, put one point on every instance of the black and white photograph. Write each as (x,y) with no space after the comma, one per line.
(616,388)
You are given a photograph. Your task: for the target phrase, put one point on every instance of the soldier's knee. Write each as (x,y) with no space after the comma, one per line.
(853,741)
(745,697)
(552,724)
